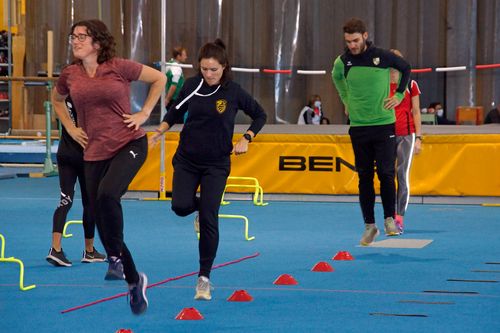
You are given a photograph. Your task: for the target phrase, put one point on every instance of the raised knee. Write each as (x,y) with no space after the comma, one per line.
(181,210)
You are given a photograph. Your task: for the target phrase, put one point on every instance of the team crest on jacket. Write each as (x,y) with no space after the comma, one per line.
(376,61)
(220,105)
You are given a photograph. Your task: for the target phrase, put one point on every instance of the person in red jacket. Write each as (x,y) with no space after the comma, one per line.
(408,140)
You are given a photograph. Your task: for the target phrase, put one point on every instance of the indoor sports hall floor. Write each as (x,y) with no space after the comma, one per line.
(449,285)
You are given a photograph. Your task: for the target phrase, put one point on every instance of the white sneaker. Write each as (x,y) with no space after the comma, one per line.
(203,288)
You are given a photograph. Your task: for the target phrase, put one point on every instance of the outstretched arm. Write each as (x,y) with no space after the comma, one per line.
(153,139)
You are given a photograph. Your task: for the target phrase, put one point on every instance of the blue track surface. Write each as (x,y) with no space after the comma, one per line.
(382,290)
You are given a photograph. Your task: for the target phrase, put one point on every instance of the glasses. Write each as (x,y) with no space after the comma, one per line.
(80,37)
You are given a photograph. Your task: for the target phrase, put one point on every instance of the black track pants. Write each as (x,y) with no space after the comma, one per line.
(212,181)
(375,145)
(107,181)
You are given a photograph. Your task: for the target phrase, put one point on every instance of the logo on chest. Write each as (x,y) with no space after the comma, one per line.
(376,61)
(220,105)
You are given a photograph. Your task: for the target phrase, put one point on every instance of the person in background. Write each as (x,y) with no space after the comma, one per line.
(115,147)
(325,121)
(202,158)
(362,78)
(70,169)
(175,76)
(311,114)
(408,140)
(493,117)
(437,108)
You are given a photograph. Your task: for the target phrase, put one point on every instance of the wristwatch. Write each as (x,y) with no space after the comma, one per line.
(248,137)
(418,137)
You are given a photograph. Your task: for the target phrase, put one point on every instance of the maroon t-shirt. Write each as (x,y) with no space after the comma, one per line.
(100,102)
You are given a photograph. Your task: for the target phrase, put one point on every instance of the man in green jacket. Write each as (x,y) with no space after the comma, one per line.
(362,78)
(175,77)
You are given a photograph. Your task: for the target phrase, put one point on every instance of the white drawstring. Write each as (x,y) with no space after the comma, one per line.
(178,106)
(195,92)
(210,93)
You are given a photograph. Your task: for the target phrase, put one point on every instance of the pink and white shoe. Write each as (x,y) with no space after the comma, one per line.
(398,220)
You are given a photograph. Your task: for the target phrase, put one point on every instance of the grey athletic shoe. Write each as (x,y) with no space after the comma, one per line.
(137,293)
(93,256)
(203,288)
(58,258)
(371,232)
(115,269)
(390,227)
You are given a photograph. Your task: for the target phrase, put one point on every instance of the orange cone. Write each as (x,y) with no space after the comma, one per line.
(343,255)
(240,296)
(285,279)
(189,314)
(322,266)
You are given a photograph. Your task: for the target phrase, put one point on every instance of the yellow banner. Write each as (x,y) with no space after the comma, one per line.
(450,165)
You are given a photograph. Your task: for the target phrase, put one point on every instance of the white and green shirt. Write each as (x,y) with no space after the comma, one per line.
(174,77)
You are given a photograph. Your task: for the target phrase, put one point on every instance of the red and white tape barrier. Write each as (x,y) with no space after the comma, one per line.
(323,72)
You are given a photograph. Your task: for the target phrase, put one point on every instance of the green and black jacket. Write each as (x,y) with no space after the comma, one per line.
(363,83)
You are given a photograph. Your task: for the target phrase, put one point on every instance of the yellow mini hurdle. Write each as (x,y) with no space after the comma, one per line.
(17,261)
(258,196)
(67,224)
(224,216)
(241,217)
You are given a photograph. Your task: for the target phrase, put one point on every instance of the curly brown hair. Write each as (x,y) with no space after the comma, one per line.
(100,34)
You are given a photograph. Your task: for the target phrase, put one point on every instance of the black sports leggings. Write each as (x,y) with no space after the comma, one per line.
(107,182)
(70,169)
(188,175)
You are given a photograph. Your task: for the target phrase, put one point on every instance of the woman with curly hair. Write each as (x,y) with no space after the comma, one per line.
(115,147)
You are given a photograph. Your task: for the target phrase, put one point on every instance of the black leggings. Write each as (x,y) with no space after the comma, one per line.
(212,181)
(107,182)
(375,145)
(70,169)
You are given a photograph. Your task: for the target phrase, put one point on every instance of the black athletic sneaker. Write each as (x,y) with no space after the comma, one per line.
(58,258)
(115,269)
(93,256)
(137,292)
